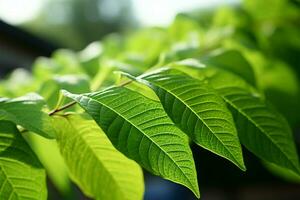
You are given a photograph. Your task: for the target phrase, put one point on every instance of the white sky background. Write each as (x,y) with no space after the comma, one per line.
(18,11)
(148,12)
(162,12)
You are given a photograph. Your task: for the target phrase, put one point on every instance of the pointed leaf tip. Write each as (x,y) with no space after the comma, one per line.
(139,128)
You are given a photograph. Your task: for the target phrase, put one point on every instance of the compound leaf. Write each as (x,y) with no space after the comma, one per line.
(139,127)
(198,111)
(262,130)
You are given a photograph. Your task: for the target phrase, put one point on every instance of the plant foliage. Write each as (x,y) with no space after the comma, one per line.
(221,80)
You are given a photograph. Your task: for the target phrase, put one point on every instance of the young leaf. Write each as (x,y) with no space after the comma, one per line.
(198,111)
(262,130)
(21,174)
(27,112)
(139,128)
(95,165)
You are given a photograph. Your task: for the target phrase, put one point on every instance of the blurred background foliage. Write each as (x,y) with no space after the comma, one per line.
(258,40)
(76,23)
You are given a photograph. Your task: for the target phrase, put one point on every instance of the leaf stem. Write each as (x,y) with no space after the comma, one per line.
(62,108)
(125,83)
(56,110)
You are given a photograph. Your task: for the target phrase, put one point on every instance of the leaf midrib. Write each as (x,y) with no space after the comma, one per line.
(260,128)
(94,155)
(9,181)
(145,135)
(158,85)
(7,176)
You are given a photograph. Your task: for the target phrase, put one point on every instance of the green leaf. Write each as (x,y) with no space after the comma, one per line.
(49,155)
(282,173)
(278,80)
(50,90)
(262,130)
(68,61)
(155,39)
(62,62)
(19,82)
(90,58)
(185,29)
(21,174)
(43,68)
(27,112)
(233,61)
(139,128)
(95,165)
(198,111)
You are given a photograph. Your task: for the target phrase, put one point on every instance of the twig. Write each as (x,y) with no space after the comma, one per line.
(62,108)
(74,102)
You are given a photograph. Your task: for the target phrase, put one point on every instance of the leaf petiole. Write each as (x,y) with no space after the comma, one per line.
(62,108)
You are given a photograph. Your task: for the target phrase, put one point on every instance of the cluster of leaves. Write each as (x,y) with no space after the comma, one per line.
(138,100)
